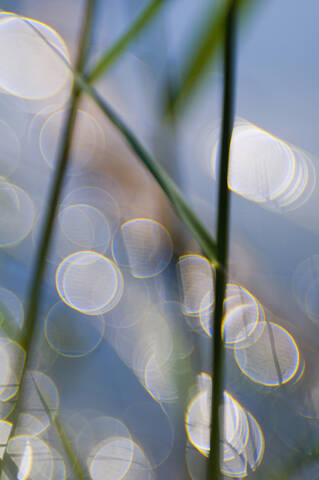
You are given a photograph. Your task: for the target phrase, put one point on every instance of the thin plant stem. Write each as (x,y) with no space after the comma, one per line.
(115,51)
(28,332)
(65,147)
(216,430)
(204,50)
(74,460)
(183,210)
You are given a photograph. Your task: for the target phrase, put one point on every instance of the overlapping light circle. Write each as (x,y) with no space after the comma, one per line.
(267,170)
(85,226)
(243,317)
(117,458)
(72,333)
(31,69)
(16,214)
(28,424)
(197,281)
(159,380)
(79,227)
(97,198)
(143,245)
(98,430)
(88,140)
(12,357)
(40,395)
(11,308)
(272,359)
(89,282)
(147,347)
(242,443)
(111,459)
(32,456)
(134,304)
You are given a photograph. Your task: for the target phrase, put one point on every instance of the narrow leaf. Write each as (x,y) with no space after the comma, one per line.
(27,336)
(204,50)
(217,421)
(72,456)
(112,54)
(183,210)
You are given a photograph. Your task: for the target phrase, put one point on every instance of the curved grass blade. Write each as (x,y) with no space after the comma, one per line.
(204,50)
(39,266)
(183,210)
(113,53)
(216,432)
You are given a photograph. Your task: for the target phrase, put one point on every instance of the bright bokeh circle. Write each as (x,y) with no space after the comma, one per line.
(89,282)
(272,359)
(30,68)
(16,214)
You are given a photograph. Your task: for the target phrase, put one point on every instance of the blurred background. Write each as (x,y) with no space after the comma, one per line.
(122,342)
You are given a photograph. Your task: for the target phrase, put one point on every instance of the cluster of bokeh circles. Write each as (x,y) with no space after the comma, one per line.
(242,440)
(110,276)
(266,170)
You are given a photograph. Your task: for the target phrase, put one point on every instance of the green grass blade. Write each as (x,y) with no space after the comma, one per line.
(175,196)
(183,210)
(62,163)
(79,469)
(39,266)
(112,54)
(204,50)
(216,433)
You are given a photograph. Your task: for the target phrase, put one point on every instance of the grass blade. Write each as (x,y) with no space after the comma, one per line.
(79,469)
(37,275)
(183,210)
(203,51)
(216,433)
(62,163)
(112,54)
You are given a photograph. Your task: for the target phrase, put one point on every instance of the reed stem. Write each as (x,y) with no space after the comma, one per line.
(216,431)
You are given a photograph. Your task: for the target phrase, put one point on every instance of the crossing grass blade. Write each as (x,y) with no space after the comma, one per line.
(204,51)
(75,462)
(182,208)
(115,51)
